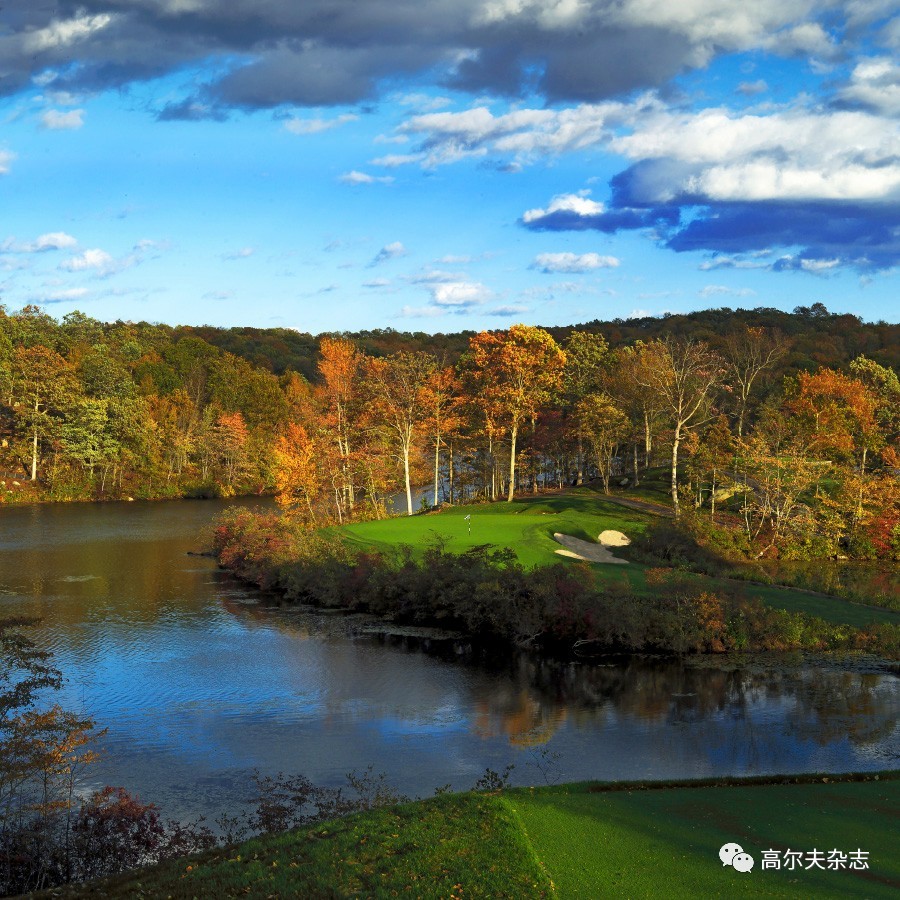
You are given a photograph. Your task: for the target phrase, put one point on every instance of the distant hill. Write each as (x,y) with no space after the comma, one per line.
(820,338)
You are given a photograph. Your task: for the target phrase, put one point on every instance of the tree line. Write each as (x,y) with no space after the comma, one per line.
(792,460)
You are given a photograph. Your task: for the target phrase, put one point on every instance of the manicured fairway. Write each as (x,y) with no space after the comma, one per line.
(664,842)
(527,526)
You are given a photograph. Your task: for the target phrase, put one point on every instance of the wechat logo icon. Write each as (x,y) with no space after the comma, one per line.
(733,855)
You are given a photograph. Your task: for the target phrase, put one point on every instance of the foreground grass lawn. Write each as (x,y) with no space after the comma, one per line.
(462,845)
(578,840)
(664,842)
(527,526)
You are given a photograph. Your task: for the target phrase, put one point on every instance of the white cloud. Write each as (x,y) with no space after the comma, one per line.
(451,260)
(316,126)
(736,262)
(580,204)
(64,294)
(791,155)
(356,177)
(96,259)
(393,160)
(54,120)
(751,88)
(64,33)
(525,133)
(459,293)
(5,159)
(513,310)
(424,102)
(103,264)
(56,240)
(573,262)
(874,84)
(389,251)
(721,290)
(242,253)
(377,283)
(421,312)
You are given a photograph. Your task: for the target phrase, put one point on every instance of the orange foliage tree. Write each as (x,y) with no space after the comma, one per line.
(514,373)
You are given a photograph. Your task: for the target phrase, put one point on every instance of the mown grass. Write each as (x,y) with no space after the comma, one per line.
(527,525)
(664,842)
(578,840)
(463,845)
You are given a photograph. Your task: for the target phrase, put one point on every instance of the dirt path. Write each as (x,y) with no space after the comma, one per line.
(655,509)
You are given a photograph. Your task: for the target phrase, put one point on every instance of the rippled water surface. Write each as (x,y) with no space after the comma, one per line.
(198,683)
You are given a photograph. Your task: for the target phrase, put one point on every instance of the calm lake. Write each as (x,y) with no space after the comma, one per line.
(199,682)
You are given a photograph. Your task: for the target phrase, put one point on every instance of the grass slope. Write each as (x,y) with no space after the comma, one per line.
(579,840)
(600,843)
(527,526)
(452,846)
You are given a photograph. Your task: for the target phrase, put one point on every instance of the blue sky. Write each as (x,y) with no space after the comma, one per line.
(447,164)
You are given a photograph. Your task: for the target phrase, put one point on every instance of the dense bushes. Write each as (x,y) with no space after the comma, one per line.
(486,594)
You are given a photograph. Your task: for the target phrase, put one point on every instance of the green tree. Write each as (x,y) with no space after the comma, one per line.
(43,383)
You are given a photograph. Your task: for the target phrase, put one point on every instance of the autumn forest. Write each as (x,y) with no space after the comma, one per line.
(782,429)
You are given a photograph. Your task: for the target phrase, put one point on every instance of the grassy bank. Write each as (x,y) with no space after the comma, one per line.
(580,840)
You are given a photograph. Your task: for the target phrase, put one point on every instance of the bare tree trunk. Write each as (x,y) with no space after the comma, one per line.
(648,440)
(676,440)
(512,463)
(637,477)
(437,466)
(409,509)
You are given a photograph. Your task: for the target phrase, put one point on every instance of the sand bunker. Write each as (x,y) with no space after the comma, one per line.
(586,550)
(613,539)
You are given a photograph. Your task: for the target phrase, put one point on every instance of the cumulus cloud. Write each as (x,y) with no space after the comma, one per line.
(449,137)
(874,85)
(95,259)
(102,264)
(459,294)
(721,290)
(61,33)
(317,126)
(572,263)
(61,295)
(421,312)
(827,181)
(752,88)
(356,177)
(511,310)
(330,52)
(55,240)
(579,205)
(54,120)
(388,252)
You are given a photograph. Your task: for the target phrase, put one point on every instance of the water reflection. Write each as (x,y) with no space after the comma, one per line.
(199,683)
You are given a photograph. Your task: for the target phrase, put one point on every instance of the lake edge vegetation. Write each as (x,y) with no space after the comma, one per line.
(780,431)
